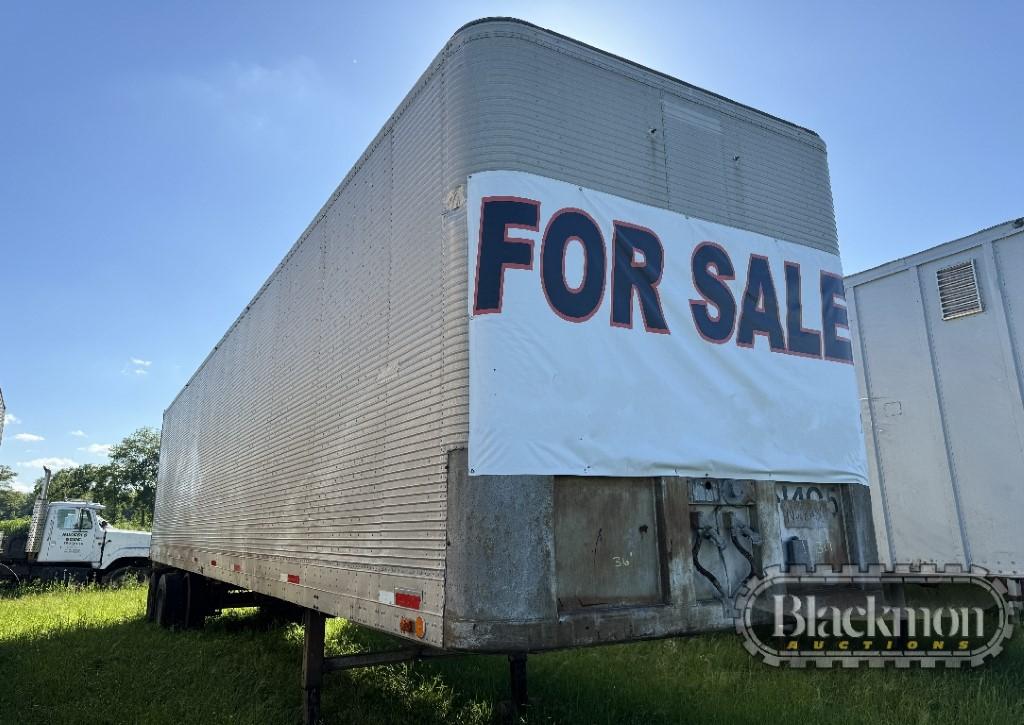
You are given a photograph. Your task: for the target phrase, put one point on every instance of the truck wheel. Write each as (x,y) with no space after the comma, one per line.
(125,576)
(170,600)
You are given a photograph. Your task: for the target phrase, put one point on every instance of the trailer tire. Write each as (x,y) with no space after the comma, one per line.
(154,580)
(197,601)
(170,600)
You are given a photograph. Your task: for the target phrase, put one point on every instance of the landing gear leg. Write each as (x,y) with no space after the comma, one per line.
(517,683)
(312,665)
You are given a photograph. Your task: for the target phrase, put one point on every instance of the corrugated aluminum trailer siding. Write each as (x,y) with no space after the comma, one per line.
(320,448)
(312,441)
(942,404)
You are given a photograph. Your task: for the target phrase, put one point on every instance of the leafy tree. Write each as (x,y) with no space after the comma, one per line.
(73,484)
(133,468)
(90,482)
(126,485)
(13,504)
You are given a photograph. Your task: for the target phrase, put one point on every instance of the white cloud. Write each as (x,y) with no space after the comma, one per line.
(28,437)
(137,365)
(97,449)
(78,433)
(11,419)
(53,463)
(19,485)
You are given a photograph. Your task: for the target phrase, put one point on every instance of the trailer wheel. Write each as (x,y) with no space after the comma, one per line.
(154,580)
(170,600)
(197,601)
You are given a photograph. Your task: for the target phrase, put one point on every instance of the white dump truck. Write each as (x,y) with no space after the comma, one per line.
(563,361)
(70,540)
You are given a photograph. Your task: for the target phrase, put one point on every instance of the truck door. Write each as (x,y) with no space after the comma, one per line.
(72,536)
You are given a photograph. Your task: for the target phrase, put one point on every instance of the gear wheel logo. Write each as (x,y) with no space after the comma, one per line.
(899,616)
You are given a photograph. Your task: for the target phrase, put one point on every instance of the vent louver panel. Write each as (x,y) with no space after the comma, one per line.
(958,290)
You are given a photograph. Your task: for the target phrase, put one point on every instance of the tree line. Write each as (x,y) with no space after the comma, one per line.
(126,484)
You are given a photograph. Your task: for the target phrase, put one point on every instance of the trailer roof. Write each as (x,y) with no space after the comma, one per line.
(996,231)
(641,66)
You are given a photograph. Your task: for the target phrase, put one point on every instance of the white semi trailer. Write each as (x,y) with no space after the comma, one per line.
(940,339)
(561,362)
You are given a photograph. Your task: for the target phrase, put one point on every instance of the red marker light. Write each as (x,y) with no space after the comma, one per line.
(407,600)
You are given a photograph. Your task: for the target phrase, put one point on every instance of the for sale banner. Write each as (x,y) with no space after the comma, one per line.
(611,338)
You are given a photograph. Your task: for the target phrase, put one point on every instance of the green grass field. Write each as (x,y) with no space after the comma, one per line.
(88,655)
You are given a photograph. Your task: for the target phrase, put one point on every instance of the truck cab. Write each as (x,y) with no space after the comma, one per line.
(75,533)
(70,540)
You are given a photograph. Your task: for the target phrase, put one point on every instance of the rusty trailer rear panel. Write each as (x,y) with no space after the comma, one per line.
(608,548)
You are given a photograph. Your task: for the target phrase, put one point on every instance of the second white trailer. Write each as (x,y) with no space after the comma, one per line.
(939,346)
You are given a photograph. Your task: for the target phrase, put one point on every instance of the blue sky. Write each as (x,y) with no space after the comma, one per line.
(158,159)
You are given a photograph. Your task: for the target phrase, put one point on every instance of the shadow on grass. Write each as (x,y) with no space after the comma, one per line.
(239,670)
(235,670)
